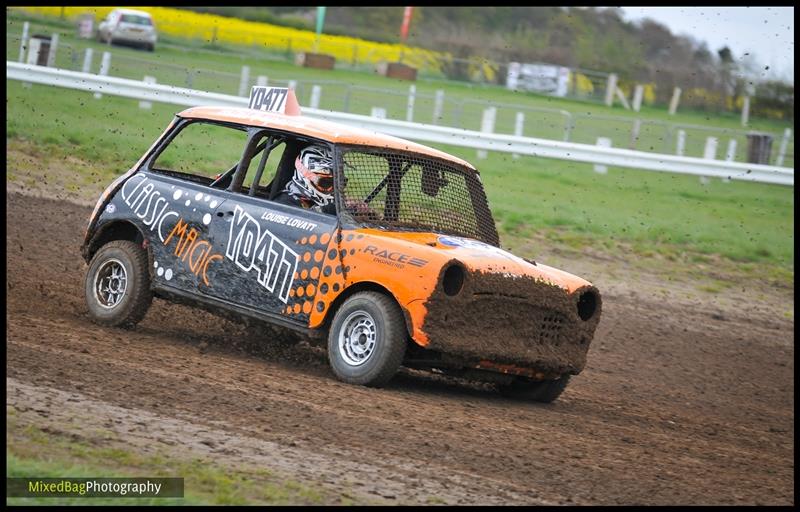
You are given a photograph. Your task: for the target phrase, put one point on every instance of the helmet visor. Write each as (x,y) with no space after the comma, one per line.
(321,178)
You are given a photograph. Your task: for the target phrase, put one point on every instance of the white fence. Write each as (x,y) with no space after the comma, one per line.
(416,131)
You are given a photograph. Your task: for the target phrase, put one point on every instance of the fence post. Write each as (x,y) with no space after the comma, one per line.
(412,92)
(622,99)
(51,55)
(105,65)
(87,60)
(346,101)
(673,103)
(638,94)
(746,110)
(24,41)
(604,142)
(709,153)
(378,112)
(637,127)
(316,92)
(245,81)
(681,145)
(146,104)
(730,155)
(355,56)
(262,80)
(519,124)
(569,127)
(611,86)
(787,133)
(438,104)
(487,126)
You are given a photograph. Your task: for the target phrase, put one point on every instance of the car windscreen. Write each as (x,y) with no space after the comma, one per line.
(410,191)
(135,19)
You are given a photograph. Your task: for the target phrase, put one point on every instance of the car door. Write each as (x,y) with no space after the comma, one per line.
(273,253)
(174,198)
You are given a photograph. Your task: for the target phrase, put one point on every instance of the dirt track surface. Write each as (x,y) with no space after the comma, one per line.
(681,401)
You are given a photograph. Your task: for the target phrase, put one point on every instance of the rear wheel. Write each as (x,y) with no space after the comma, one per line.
(367,339)
(539,391)
(117,284)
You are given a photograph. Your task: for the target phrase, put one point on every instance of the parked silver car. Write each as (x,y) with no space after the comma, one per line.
(126,26)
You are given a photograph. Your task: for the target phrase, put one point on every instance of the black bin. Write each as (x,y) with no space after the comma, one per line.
(44,48)
(759,147)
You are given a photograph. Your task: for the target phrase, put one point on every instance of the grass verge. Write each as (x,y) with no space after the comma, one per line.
(45,453)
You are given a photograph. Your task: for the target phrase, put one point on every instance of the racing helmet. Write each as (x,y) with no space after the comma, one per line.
(313,173)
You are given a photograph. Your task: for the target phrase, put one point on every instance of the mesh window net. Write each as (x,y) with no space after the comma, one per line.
(408,191)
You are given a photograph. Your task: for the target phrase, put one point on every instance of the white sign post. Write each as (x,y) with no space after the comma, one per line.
(438,106)
(244,83)
(673,103)
(606,143)
(611,87)
(681,145)
(638,94)
(746,111)
(316,93)
(146,104)
(412,92)
(23,43)
(519,124)
(709,153)
(787,134)
(87,60)
(51,55)
(105,66)
(487,126)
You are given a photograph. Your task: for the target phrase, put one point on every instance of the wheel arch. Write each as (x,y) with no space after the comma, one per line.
(116,230)
(364,286)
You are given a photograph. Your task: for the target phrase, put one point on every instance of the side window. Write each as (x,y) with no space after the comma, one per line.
(204,150)
(263,164)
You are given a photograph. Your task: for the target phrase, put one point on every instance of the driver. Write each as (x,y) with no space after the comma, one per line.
(311,185)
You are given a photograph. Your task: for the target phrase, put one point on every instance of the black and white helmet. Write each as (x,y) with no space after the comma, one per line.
(313,174)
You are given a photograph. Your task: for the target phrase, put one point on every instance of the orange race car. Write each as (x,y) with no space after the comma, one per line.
(383,246)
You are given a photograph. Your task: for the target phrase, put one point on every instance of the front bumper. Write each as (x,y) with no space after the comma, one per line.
(513,321)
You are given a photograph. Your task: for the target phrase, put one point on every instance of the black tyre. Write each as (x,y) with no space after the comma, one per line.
(117,284)
(150,47)
(367,339)
(539,391)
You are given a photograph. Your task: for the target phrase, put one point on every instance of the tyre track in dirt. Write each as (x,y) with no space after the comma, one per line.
(680,403)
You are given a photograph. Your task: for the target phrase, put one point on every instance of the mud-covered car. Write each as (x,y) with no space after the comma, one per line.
(407,270)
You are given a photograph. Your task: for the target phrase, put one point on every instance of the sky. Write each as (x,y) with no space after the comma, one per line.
(766,33)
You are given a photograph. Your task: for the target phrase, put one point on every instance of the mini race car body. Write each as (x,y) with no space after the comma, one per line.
(408,271)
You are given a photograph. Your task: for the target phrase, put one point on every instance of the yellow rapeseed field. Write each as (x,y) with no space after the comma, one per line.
(210,27)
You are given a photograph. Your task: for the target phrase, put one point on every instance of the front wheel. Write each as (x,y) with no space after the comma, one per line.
(539,391)
(117,284)
(367,339)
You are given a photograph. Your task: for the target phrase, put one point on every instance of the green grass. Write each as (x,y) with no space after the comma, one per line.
(45,453)
(219,71)
(650,213)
